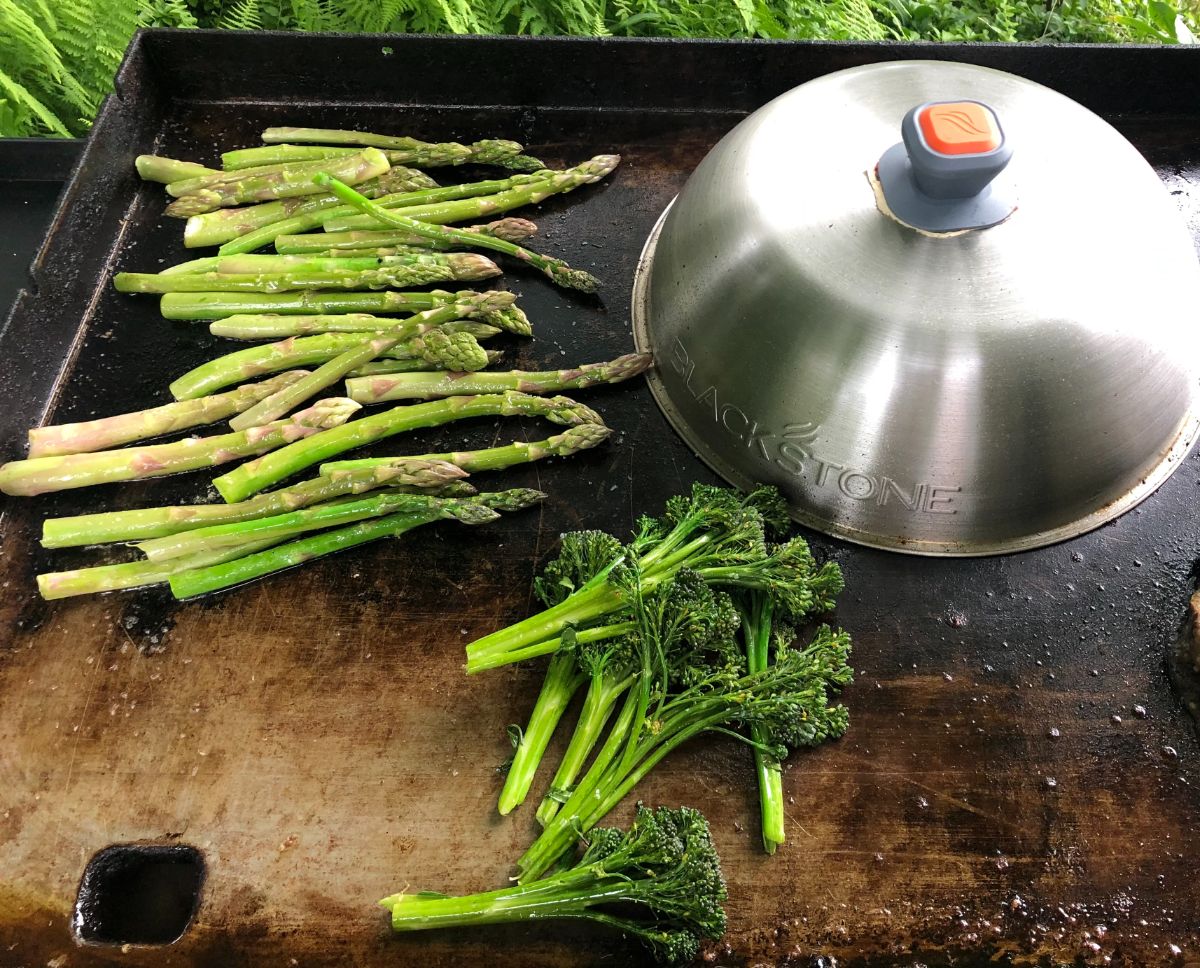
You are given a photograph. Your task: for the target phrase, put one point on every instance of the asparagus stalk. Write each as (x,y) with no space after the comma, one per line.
(208,229)
(555,269)
(461,349)
(511,228)
(405,366)
(131,574)
(212,228)
(454,267)
(281,527)
(570,441)
(488,152)
(45,474)
(156,168)
(307,350)
(341,260)
(142,523)
(268,326)
(425,156)
(535,189)
(424,386)
(255,475)
(477,510)
(217,305)
(260,185)
(108,432)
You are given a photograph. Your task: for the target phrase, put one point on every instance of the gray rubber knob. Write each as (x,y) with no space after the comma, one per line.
(940,177)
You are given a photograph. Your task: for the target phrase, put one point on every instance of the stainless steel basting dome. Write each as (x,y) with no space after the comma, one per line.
(947,310)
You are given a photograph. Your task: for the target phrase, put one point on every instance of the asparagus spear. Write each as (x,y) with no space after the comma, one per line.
(156,168)
(44,474)
(461,350)
(570,441)
(217,305)
(555,269)
(403,366)
(354,260)
(536,189)
(90,435)
(303,351)
(423,386)
(268,326)
(453,267)
(283,526)
(131,574)
(212,228)
(511,228)
(477,510)
(422,154)
(140,523)
(431,201)
(258,185)
(255,475)
(489,152)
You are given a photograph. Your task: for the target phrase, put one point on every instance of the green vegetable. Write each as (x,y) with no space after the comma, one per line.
(410,151)
(659,882)
(90,435)
(512,229)
(423,386)
(687,683)
(223,190)
(256,475)
(223,225)
(140,523)
(263,223)
(45,474)
(556,269)
(419,271)
(716,532)
(217,305)
(307,350)
(474,510)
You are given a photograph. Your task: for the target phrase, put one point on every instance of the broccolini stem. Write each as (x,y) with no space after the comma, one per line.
(562,681)
(756,629)
(532,902)
(549,646)
(598,704)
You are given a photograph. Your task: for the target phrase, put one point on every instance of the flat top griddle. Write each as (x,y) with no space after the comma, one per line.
(1019,784)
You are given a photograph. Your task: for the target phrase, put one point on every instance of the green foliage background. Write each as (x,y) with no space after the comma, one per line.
(58,57)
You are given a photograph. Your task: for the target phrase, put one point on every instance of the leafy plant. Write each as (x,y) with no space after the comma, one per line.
(58,57)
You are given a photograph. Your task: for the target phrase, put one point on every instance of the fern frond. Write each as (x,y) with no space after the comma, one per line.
(243,15)
(20,95)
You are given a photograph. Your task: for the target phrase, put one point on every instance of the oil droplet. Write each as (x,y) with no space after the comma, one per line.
(1054,733)
(923,803)
(1051,783)
(1170,753)
(1140,712)
(1116,719)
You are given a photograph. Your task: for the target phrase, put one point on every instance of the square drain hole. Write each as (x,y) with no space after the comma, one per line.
(138,894)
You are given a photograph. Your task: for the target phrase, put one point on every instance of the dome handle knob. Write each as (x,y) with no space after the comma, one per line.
(940,177)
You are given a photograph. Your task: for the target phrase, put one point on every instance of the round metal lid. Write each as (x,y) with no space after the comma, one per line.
(947,391)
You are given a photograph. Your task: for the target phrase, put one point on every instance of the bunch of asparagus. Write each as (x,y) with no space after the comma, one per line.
(342,304)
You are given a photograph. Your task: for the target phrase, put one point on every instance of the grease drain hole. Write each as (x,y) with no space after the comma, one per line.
(138,894)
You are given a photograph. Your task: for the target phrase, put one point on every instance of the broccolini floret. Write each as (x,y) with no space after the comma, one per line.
(660,882)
